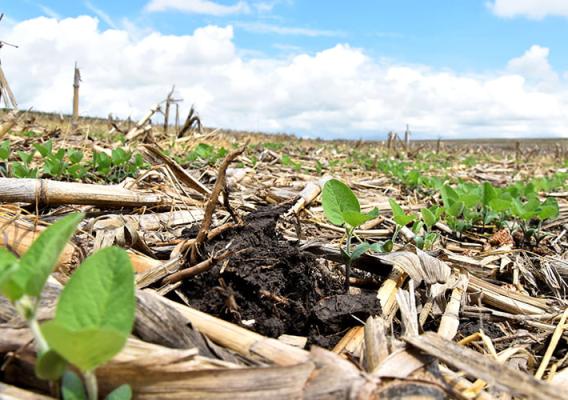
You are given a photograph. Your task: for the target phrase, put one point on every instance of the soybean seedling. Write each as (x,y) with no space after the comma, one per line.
(94,315)
(430,216)
(342,208)
(400,218)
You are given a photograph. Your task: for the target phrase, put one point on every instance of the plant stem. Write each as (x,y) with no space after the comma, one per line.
(349,261)
(26,307)
(91,385)
(395,235)
(41,343)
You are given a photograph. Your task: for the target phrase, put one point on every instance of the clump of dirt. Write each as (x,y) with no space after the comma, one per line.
(270,286)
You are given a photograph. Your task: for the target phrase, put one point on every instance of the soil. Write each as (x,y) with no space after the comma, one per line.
(273,288)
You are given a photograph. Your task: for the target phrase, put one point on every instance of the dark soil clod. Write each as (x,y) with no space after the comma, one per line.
(274,284)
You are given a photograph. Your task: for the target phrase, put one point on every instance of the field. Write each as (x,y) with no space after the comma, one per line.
(272,267)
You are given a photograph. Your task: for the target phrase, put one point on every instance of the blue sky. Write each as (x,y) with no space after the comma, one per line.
(461,40)
(464,35)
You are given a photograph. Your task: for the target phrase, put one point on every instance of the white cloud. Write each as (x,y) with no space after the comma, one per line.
(534,66)
(340,91)
(264,7)
(261,27)
(533,9)
(206,7)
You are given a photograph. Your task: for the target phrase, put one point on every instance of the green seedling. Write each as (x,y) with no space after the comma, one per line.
(23,169)
(120,165)
(94,314)
(341,208)
(430,216)
(287,161)
(400,218)
(5,150)
(205,154)
(44,149)
(319,167)
(531,214)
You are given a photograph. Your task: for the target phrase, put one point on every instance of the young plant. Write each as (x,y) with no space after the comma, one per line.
(430,216)
(341,208)
(533,211)
(95,310)
(4,157)
(287,161)
(22,169)
(400,218)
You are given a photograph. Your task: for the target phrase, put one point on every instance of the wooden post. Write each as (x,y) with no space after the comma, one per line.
(438,145)
(518,154)
(76,80)
(6,92)
(389,143)
(407,139)
(169,100)
(110,121)
(177,120)
(557,151)
(128,124)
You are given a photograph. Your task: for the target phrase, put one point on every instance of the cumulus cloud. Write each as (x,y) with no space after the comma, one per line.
(533,9)
(206,7)
(534,66)
(340,91)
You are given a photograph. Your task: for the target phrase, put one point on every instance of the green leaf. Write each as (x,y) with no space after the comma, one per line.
(388,246)
(75,156)
(456,209)
(529,189)
(429,240)
(547,212)
(532,204)
(123,392)
(419,242)
(417,226)
(517,208)
(549,209)
(72,387)
(5,150)
(470,200)
(86,348)
(337,197)
(428,217)
(355,218)
(404,220)
(26,157)
(399,215)
(44,149)
(38,262)
(8,266)
(396,208)
(50,366)
(449,196)
(95,311)
(120,156)
(374,213)
(500,205)
(488,193)
(359,250)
